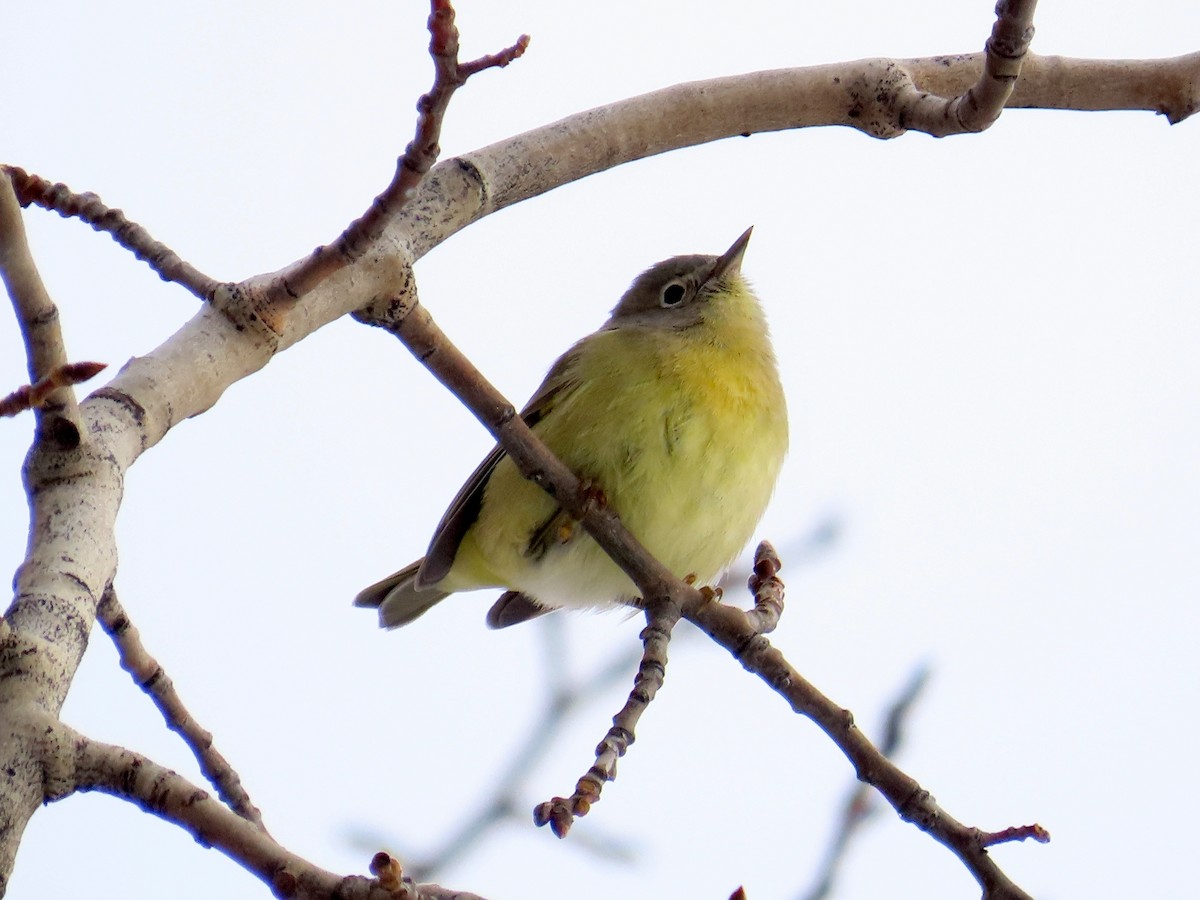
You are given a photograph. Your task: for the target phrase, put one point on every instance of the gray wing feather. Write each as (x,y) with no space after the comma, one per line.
(466,504)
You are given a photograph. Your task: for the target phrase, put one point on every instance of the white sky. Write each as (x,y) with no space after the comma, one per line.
(990,352)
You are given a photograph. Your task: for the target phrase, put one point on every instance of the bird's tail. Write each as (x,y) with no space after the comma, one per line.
(398,599)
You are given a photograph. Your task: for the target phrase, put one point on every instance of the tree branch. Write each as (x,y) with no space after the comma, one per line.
(733,630)
(860,803)
(560,812)
(150,677)
(57,412)
(89,208)
(168,795)
(41,392)
(71,556)
(1169,87)
(418,158)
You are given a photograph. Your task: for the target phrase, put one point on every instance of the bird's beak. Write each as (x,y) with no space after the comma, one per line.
(731,260)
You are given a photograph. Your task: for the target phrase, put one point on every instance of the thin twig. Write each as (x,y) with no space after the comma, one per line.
(418,158)
(38,394)
(732,629)
(150,677)
(89,208)
(1033,832)
(560,812)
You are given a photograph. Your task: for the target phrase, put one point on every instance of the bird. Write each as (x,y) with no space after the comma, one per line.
(672,412)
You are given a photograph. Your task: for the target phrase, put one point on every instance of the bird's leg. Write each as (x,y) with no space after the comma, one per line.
(559,528)
(708,593)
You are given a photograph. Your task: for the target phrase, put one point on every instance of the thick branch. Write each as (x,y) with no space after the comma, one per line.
(161,792)
(187,374)
(1169,87)
(57,413)
(871,95)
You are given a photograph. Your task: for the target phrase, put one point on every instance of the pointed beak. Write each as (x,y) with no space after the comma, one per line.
(731,259)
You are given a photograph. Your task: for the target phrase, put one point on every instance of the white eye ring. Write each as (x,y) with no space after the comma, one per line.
(672,294)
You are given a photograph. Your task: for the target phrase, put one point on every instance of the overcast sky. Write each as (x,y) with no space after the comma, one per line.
(989,346)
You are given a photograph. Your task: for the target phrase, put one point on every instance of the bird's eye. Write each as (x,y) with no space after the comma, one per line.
(672,294)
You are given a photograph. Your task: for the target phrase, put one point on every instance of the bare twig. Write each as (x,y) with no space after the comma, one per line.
(767,590)
(732,629)
(1033,832)
(661,590)
(418,158)
(422,152)
(150,677)
(57,412)
(36,395)
(560,812)
(89,208)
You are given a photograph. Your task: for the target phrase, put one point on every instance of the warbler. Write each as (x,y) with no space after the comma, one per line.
(673,411)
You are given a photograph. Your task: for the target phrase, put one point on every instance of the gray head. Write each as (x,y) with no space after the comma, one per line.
(673,293)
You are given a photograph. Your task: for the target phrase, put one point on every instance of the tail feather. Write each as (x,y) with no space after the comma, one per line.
(398,599)
(513,608)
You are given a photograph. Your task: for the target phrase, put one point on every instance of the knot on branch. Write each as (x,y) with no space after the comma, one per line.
(875,99)
(253,309)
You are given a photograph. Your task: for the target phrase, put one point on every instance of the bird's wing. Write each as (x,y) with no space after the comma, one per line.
(464,509)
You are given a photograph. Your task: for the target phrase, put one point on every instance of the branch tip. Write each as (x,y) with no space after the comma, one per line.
(418,158)
(38,394)
(1032,832)
(497,60)
(387,869)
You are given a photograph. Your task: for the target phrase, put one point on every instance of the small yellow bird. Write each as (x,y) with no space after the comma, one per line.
(673,410)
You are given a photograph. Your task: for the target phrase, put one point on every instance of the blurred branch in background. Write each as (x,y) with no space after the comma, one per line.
(863,801)
(565,695)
